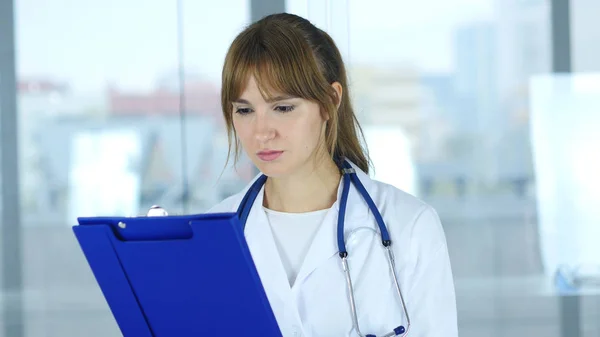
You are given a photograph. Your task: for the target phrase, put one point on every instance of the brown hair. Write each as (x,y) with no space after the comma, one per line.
(288,54)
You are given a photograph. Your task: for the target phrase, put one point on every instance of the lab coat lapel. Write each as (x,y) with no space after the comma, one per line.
(266,256)
(324,245)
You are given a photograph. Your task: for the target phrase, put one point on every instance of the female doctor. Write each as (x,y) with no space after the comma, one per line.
(339,254)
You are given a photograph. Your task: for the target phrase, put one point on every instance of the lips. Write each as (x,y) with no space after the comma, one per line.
(269,155)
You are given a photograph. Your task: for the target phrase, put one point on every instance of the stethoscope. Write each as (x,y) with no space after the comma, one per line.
(349,175)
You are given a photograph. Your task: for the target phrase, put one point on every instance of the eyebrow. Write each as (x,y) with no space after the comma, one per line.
(270,100)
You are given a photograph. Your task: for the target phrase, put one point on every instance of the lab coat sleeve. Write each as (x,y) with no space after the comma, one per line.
(432,300)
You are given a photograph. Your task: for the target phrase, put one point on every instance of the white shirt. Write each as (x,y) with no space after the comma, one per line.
(293,234)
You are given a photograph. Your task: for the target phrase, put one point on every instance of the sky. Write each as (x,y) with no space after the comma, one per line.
(130,44)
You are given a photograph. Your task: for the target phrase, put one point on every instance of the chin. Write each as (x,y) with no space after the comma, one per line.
(272,169)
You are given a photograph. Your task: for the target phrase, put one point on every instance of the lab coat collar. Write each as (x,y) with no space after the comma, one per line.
(265,255)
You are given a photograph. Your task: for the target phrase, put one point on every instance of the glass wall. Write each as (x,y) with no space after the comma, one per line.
(118,109)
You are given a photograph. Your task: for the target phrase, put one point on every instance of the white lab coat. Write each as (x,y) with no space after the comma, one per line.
(317,305)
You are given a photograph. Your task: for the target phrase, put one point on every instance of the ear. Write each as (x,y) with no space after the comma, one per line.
(339,91)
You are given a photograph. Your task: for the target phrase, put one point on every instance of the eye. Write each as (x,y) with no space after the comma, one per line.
(243,111)
(285,108)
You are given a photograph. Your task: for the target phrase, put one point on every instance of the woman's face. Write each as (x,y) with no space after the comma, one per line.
(282,136)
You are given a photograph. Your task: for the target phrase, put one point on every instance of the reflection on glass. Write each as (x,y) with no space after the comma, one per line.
(103,177)
(390,152)
(566,147)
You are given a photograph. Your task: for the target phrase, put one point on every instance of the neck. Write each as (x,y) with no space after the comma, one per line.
(310,190)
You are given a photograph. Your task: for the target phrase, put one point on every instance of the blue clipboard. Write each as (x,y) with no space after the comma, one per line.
(179,276)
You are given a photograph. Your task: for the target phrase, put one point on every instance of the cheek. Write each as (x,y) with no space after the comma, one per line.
(241,133)
(310,133)
(239,128)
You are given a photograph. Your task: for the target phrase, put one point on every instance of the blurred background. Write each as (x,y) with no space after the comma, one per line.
(486,109)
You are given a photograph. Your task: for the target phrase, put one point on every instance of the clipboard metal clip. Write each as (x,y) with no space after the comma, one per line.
(157,211)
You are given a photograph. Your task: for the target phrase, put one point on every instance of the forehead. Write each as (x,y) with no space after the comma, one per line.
(252,89)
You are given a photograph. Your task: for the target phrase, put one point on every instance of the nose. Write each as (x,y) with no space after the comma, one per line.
(263,128)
